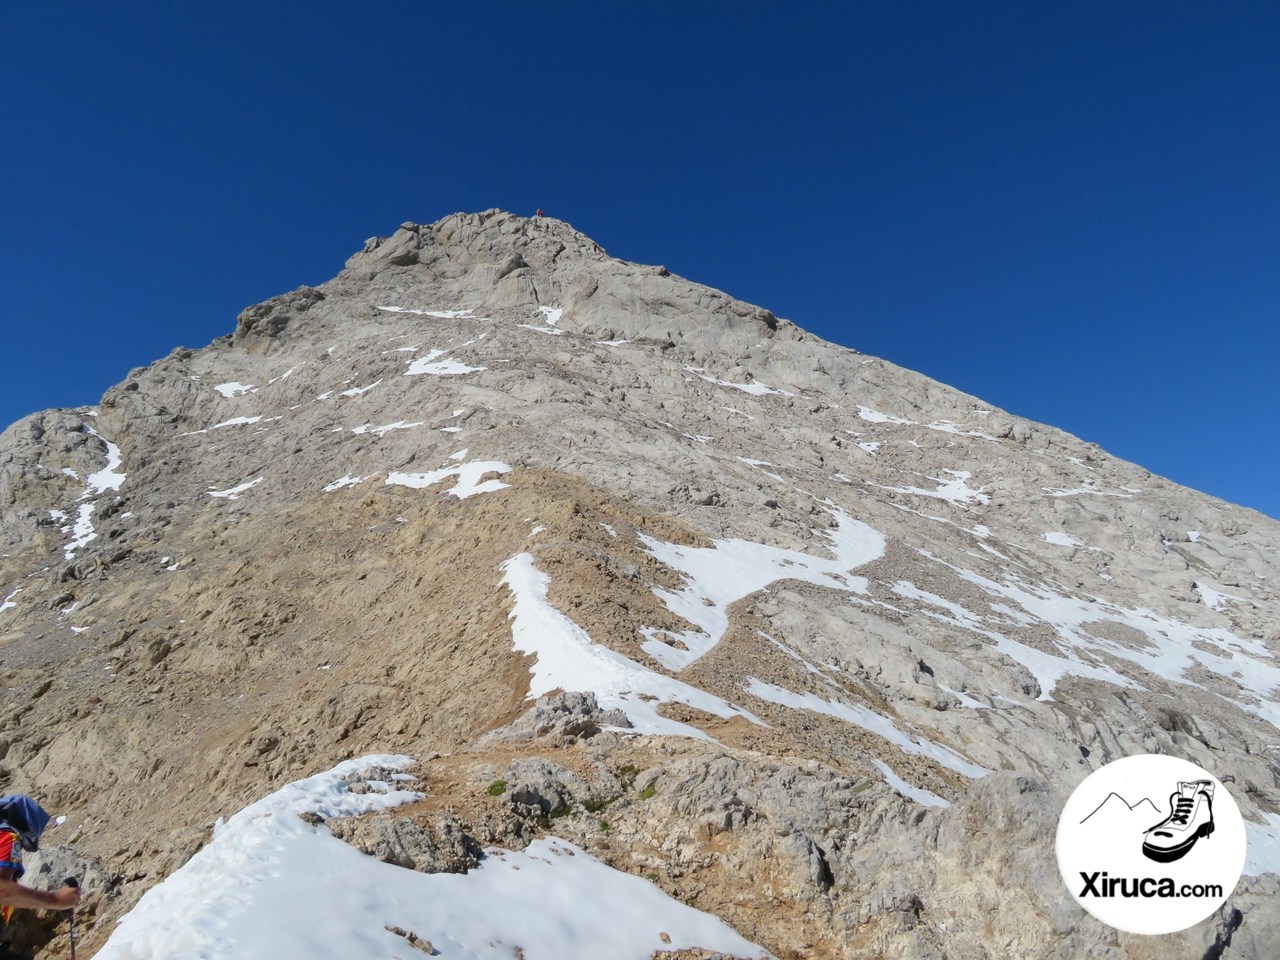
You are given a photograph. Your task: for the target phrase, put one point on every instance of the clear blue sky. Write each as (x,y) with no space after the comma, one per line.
(1069,210)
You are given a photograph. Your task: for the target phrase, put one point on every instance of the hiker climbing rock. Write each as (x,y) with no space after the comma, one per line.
(22,821)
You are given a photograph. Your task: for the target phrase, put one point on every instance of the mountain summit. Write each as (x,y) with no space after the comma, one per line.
(815,644)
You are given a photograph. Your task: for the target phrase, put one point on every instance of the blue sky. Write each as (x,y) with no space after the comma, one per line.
(1071,211)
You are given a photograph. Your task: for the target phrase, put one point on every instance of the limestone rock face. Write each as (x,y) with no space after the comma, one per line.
(814,642)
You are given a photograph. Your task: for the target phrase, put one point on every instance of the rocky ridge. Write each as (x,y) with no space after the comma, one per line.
(886,617)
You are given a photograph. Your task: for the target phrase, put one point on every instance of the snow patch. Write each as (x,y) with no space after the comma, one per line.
(347,481)
(1171,651)
(439,314)
(875,416)
(1047,668)
(720,575)
(755,388)
(109,477)
(236,422)
(809,667)
(1216,599)
(386,428)
(1090,490)
(965,699)
(284,376)
(568,659)
(946,426)
(234,492)
(233,389)
(82,533)
(356,391)
(470,478)
(758,464)
(233,422)
(270,885)
(432,365)
(954,490)
(941,426)
(919,794)
(1262,846)
(868,720)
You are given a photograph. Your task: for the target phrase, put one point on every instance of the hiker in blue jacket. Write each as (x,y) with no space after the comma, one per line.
(21,822)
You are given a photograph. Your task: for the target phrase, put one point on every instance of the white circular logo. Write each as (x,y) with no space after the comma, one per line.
(1151,844)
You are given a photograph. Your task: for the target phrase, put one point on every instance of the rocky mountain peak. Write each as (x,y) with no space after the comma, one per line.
(577,534)
(493,239)
(497,261)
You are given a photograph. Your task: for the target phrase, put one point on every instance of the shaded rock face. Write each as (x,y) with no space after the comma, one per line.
(816,643)
(258,326)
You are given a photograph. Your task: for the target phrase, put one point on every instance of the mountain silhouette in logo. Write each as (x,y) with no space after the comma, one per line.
(1116,807)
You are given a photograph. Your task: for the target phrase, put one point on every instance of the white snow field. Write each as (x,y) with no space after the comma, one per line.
(234,492)
(868,720)
(720,575)
(8,601)
(270,886)
(755,388)
(953,490)
(432,365)
(110,477)
(470,478)
(926,798)
(568,659)
(1262,847)
(235,389)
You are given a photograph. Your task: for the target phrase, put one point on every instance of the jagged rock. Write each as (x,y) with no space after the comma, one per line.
(569,715)
(441,846)
(536,788)
(257,325)
(414,940)
(47,868)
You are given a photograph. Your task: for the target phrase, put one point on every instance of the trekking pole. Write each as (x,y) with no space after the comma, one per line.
(71,915)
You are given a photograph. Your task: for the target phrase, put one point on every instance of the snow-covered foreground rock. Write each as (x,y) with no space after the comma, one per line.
(272,885)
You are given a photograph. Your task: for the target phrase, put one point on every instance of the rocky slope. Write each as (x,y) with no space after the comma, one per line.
(852,636)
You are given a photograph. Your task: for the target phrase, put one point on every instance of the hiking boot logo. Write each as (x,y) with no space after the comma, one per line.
(1140,864)
(1190,818)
